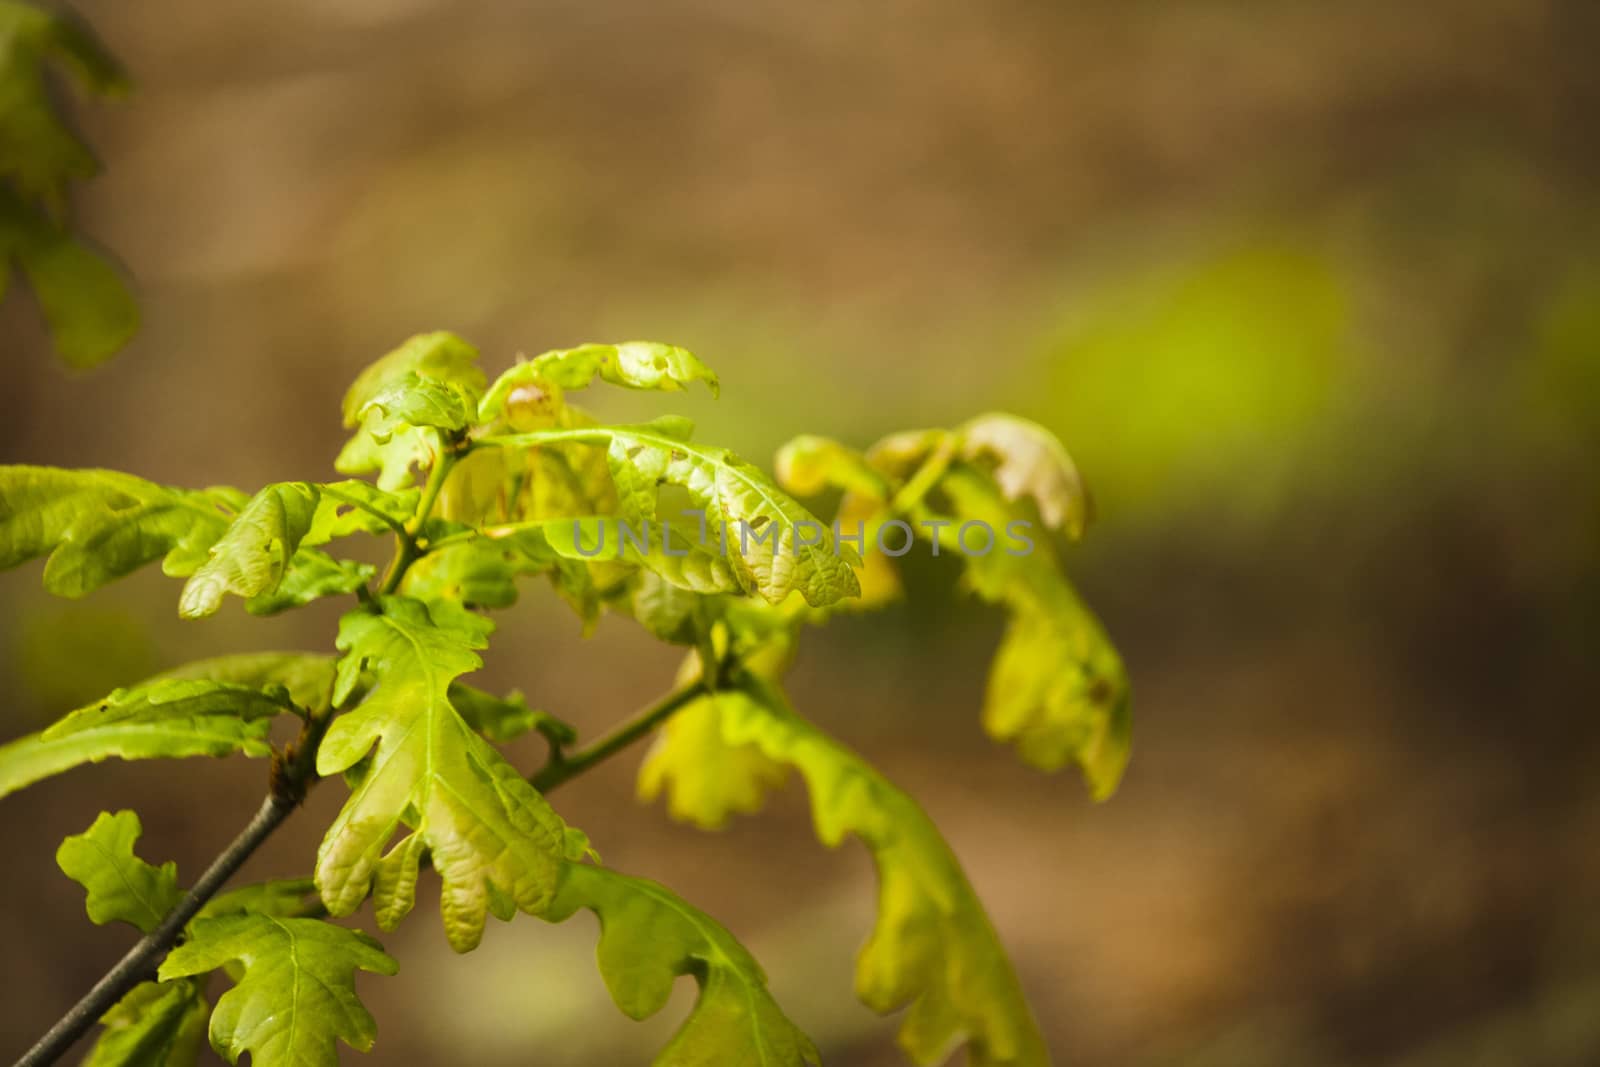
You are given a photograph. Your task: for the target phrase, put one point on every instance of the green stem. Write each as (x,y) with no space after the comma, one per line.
(505,529)
(561,770)
(594,435)
(436,476)
(407,550)
(925,478)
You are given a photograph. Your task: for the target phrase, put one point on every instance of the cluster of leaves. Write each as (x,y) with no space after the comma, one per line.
(482,486)
(85,303)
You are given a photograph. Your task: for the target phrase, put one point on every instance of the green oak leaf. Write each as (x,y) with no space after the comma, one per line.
(307,677)
(495,842)
(266,556)
(499,719)
(296,998)
(776,546)
(441,356)
(495,486)
(670,612)
(535,386)
(678,555)
(1058,689)
(159,719)
(251,557)
(157,1024)
(386,444)
(479,573)
(120,886)
(648,938)
(898,455)
(808,465)
(312,575)
(933,947)
(483,570)
(353,506)
(416,400)
(394,458)
(283,898)
(97,525)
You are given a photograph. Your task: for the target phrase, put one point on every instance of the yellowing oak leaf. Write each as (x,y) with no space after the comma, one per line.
(1028,461)
(1057,688)
(706,780)
(933,947)
(495,842)
(649,937)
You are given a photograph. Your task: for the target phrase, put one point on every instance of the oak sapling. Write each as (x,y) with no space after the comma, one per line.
(480,487)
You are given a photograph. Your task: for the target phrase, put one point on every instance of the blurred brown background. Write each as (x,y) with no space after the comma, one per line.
(1311,291)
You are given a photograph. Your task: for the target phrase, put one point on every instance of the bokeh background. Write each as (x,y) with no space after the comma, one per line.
(1311,291)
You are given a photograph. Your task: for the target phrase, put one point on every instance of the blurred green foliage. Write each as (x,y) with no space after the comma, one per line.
(1182,376)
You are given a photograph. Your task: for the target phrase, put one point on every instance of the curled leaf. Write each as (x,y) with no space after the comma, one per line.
(649,937)
(1057,687)
(1028,461)
(415,400)
(253,555)
(430,377)
(535,387)
(441,356)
